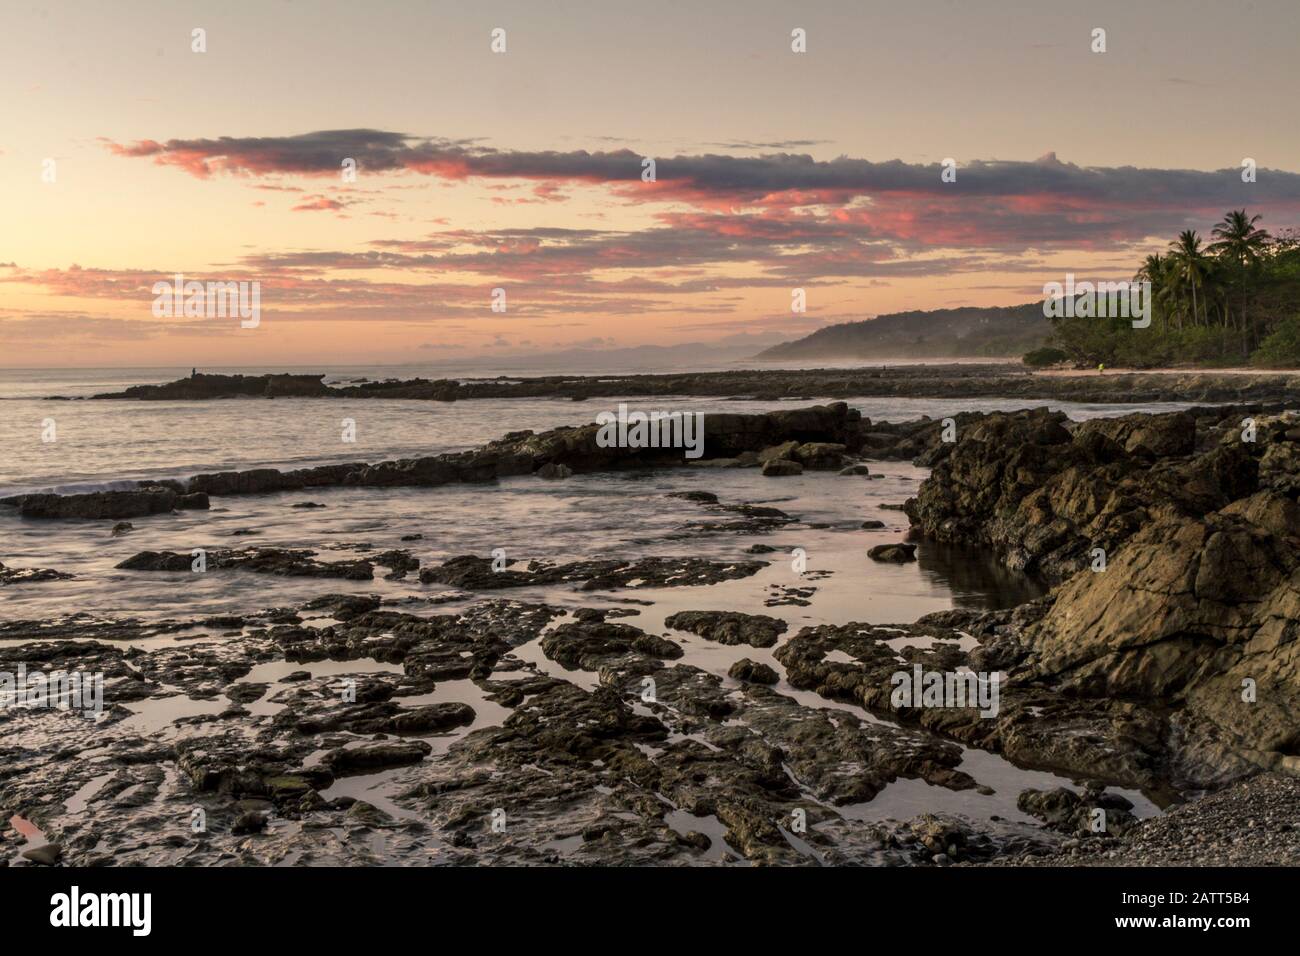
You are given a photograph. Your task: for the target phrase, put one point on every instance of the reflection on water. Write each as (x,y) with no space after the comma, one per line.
(976,578)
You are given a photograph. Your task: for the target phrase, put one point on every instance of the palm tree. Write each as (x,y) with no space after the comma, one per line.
(1191,265)
(1239,241)
(1241,246)
(1156,269)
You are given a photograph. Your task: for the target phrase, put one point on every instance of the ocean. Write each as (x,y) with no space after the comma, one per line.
(625,515)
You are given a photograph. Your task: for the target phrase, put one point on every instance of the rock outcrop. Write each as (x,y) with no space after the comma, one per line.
(147,500)
(1175,543)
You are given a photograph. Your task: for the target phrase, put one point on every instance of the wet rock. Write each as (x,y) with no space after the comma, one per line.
(1064,810)
(246,693)
(344,607)
(899,553)
(476,574)
(858,470)
(431,718)
(872,524)
(782,452)
(280,561)
(748,519)
(105,504)
(730,627)
(122,527)
(367,815)
(752,672)
(824,456)
(399,562)
(701,497)
(780,468)
(204,386)
(991,380)
(370,758)
(553,470)
(30,575)
(250,822)
(581,645)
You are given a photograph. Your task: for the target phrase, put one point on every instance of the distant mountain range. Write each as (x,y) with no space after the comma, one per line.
(942,333)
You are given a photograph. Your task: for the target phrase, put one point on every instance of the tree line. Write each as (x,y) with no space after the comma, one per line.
(1229,301)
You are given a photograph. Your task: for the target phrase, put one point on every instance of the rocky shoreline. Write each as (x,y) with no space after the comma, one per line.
(1168,665)
(990,381)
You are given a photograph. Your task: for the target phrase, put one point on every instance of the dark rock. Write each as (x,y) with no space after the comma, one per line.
(105,504)
(752,672)
(377,756)
(48,855)
(780,468)
(730,627)
(899,553)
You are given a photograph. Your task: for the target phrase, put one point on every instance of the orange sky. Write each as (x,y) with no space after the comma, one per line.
(522,170)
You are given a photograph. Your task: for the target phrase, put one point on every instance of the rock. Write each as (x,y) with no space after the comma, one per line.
(48,855)
(554,471)
(431,718)
(367,815)
(246,693)
(1200,564)
(779,468)
(250,822)
(122,527)
(855,470)
(872,524)
(730,627)
(105,504)
(471,572)
(370,758)
(30,575)
(204,386)
(752,672)
(581,645)
(307,504)
(1064,810)
(782,452)
(994,380)
(280,561)
(702,497)
(899,553)
(820,455)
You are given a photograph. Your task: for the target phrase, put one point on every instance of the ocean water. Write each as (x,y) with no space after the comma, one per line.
(99,442)
(625,515)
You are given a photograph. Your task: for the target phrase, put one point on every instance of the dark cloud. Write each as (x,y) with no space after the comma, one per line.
(740,178)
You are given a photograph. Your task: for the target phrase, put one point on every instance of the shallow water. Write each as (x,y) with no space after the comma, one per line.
(624,516)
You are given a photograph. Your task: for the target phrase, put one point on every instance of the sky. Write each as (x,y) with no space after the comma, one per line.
(127,157)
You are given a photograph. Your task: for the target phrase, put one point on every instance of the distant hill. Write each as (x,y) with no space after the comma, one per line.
(942,333)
